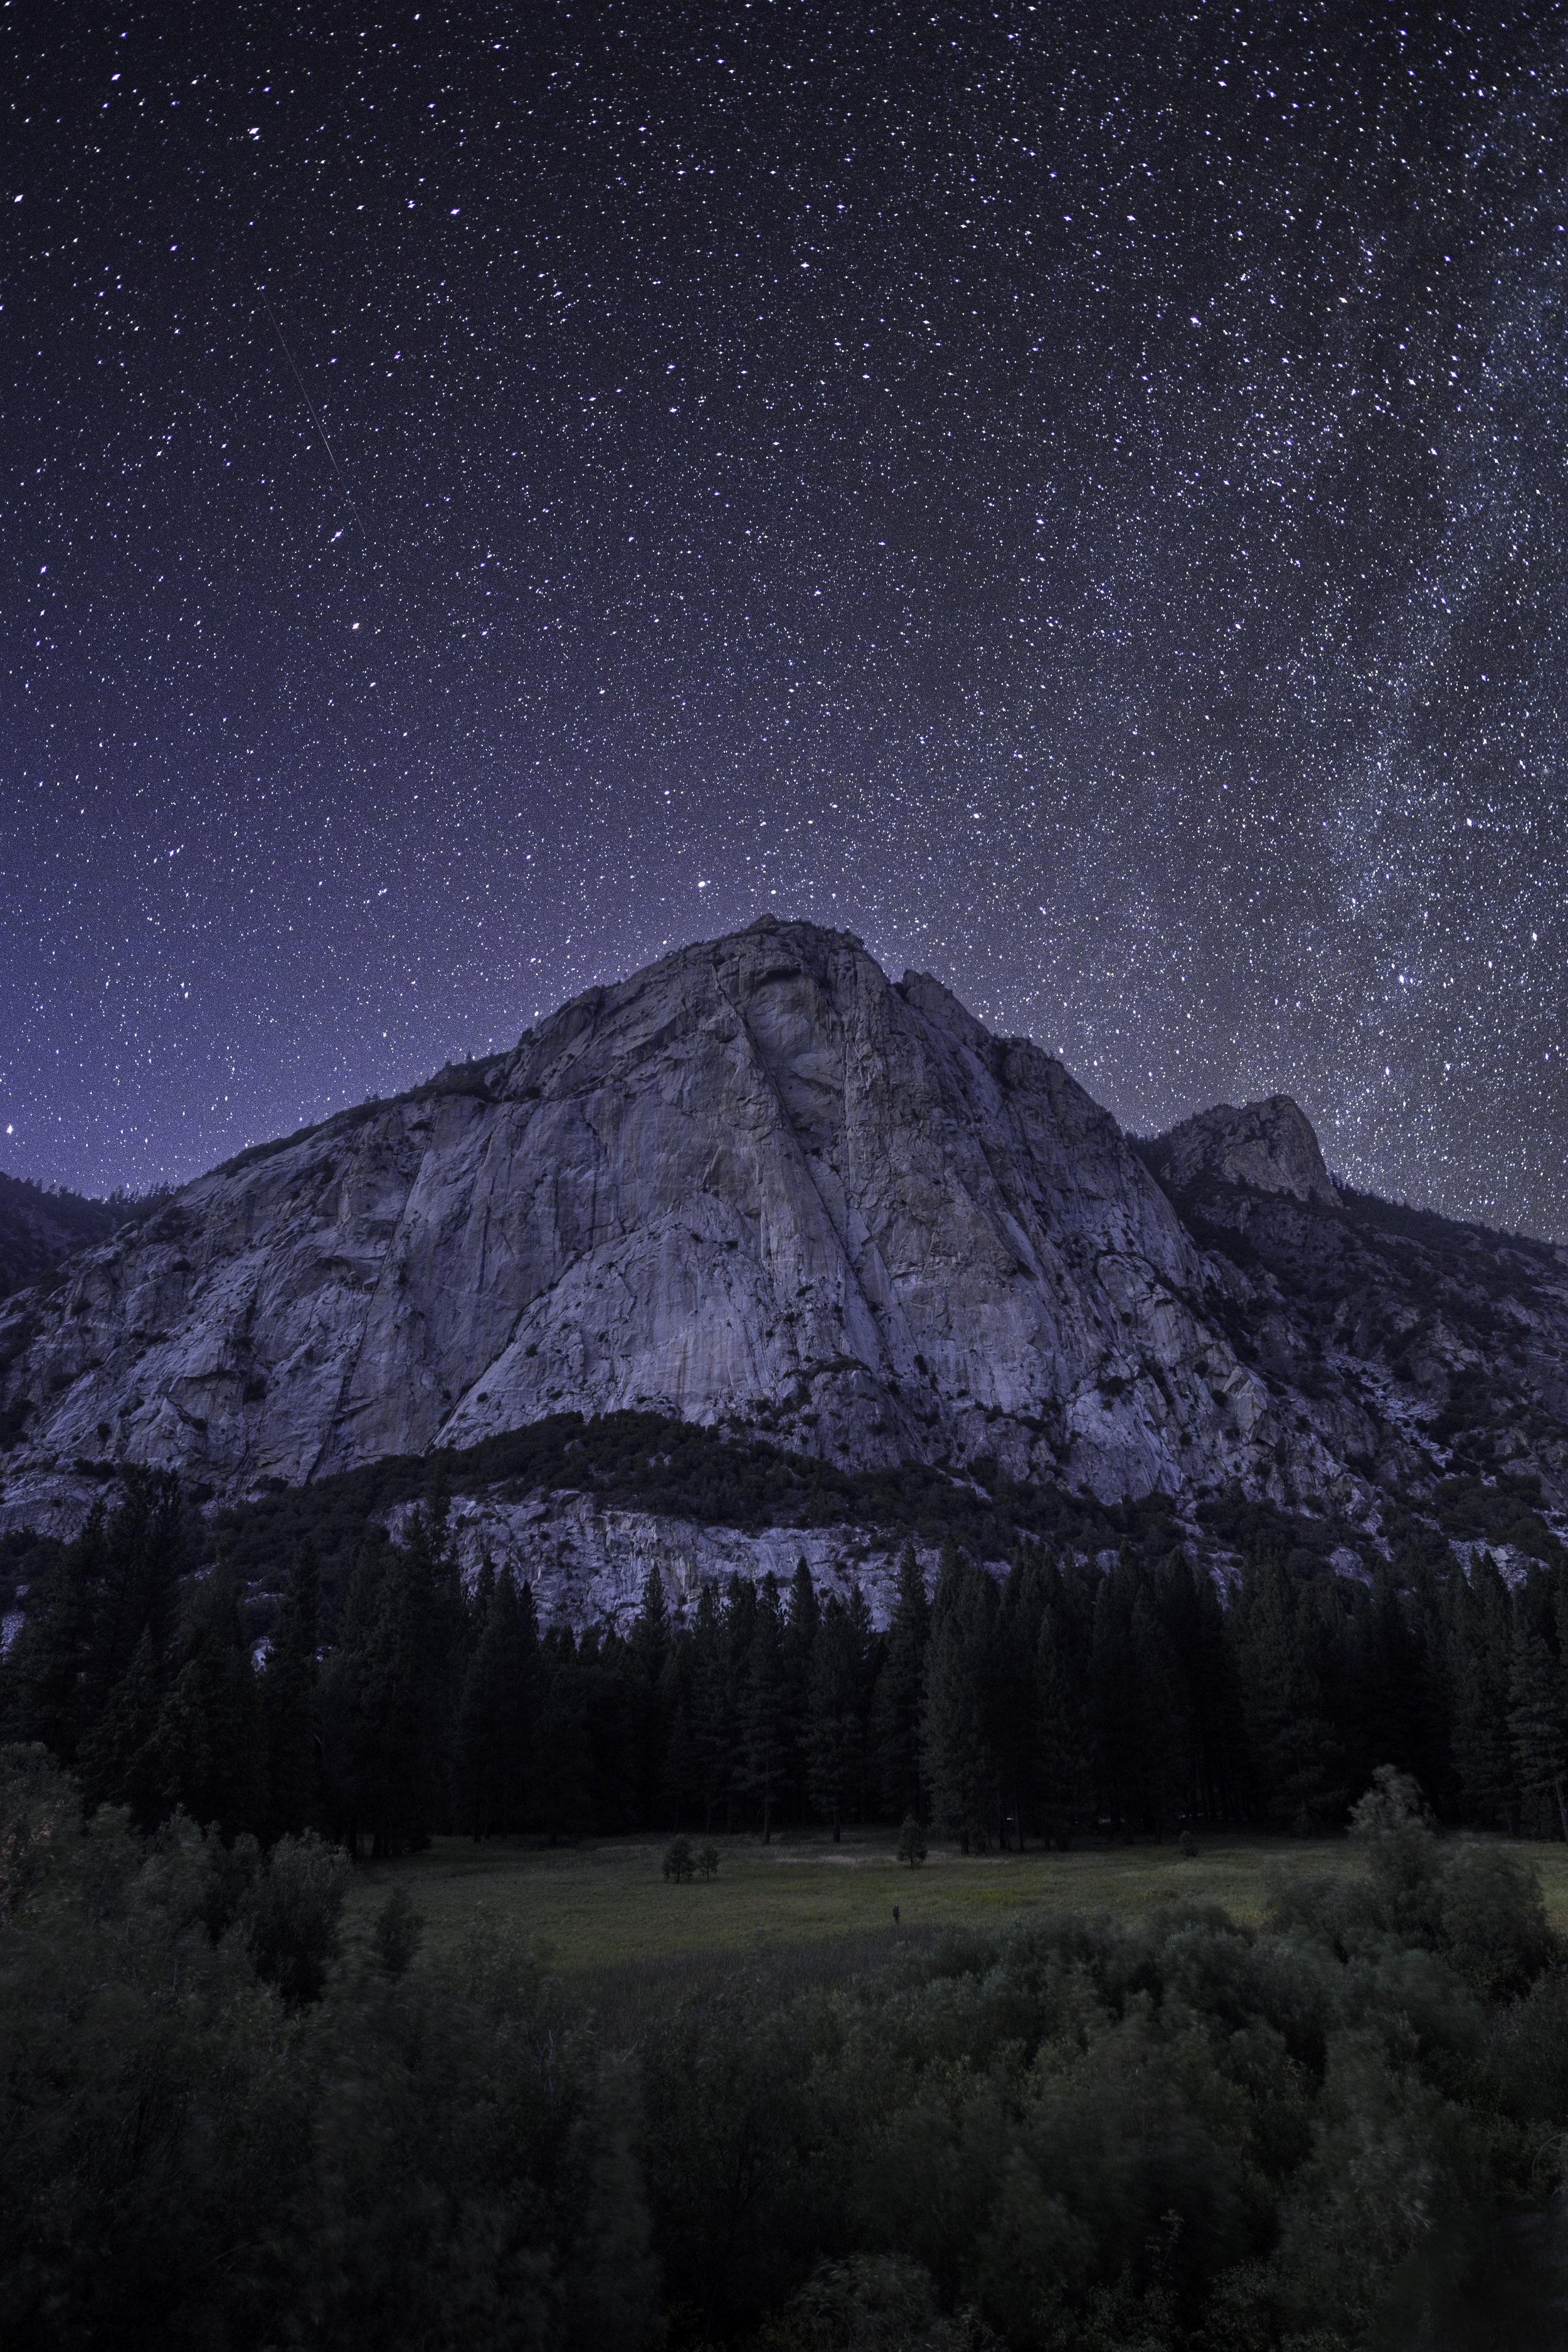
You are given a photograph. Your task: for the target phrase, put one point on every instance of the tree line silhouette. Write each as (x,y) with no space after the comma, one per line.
(1058,1701)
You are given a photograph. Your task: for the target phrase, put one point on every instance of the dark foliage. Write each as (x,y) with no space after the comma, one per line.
(39,1228)
(684,1470)
(226,2123)
(1113,1696)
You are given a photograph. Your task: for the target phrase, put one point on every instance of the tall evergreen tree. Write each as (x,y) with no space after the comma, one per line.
(962,1767)
(1538,1720)
(145,1556)
(1013,1694)
(766,1724)
(291,1702)
(113,1611)
(1480,1638)
(389,1707)
(900,1696)
(1192,1618)
(474,1794)
(498,1714)
(206,1752)
(1064,1763)
(650,1648)
(562,1789)
(1284,1644)
(348,1729)
(117,1759)
(1159,1766)
(835,1728)
(41,1673)
(680,1786)
(803,1618)
(710,1725)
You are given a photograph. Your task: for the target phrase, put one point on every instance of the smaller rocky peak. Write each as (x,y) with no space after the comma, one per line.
(1261,1147)
(939,1005)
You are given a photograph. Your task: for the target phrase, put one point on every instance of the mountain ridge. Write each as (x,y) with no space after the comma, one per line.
(760,1186)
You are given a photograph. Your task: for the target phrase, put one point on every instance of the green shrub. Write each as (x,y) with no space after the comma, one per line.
(1492,1921)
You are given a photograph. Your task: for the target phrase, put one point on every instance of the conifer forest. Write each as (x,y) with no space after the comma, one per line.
(236,2117)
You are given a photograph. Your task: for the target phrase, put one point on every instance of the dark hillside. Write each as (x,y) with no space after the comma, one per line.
(39,1228)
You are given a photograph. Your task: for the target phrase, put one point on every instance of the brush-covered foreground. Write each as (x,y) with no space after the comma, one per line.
(235,2117)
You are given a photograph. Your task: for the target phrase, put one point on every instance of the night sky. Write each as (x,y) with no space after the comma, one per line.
(1073,494)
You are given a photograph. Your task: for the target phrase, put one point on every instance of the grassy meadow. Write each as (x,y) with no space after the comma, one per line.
(600,1912)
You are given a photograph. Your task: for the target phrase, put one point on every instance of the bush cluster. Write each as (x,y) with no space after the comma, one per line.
(227,2122)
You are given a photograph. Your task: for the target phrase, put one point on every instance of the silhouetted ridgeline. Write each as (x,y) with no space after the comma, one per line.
(40,1229)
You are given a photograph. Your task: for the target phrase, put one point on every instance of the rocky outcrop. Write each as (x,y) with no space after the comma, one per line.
(1264,1147)
(588,1566)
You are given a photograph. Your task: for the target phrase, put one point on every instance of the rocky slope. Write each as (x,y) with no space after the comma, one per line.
(760,1185)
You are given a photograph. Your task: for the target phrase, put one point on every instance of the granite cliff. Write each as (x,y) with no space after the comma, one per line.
(760,1186)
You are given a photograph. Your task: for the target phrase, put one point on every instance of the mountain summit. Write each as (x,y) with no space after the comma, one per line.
(757,1184)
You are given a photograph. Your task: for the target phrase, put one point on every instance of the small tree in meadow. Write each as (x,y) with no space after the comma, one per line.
(707,1862)
(679,1862)
(911,1842)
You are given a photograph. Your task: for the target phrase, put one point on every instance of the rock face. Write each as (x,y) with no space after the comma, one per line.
(757,1181)
(761,1185)
(588,1566)
(1265,1147)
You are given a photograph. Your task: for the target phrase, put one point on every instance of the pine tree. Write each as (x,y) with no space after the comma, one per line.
(206,1753)
(562,1792)
(765,1721)
(1192,1619)
(388,1706)
(1064,1765)
(1283,1641)
(650,1649)
(1118,1726)
(803,1619)
(896,1714)
(116,1759)
(680,1778)
(497,1719)
(740,1626)
(95,1677)
(144,1555)
(1390,1700)
(40,1674)
(963,1769)
(836,1748)
(290,1701)
(440,1613)
(347,1730)
(710,1726)
(1538,1719)
(1013,1693)
(1159,1760)
(518,1638)
(1479,1636)
(473,1755)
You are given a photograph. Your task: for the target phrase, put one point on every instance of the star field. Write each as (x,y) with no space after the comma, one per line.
(1072,496)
